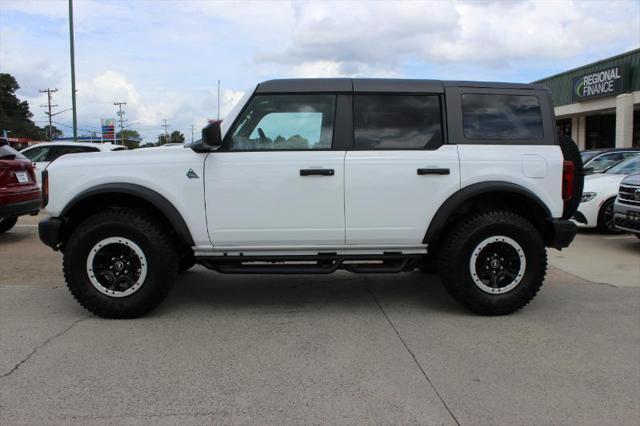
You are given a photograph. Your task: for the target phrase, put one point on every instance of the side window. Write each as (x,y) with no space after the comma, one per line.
(397,121)
(59,151)
(37,154)
(281,122)
(501,117)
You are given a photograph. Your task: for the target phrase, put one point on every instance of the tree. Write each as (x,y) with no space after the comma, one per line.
(162,139)
(55,132)
(15,115)
(132,138)
(176,137)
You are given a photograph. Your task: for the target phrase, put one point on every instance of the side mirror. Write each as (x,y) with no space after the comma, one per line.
(211,138)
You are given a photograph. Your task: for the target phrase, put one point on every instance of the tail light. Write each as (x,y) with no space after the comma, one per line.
(45,188)
(568,173)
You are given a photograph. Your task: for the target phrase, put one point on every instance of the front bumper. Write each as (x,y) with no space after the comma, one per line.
(20,208)
(627,217)
(49,232)
(563,233)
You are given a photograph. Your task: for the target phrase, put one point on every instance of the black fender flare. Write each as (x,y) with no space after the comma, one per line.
(438,223)
(158,201)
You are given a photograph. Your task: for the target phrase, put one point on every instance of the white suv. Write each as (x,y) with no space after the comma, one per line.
(309,176)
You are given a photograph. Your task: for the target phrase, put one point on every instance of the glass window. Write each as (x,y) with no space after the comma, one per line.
(37,154)
(397,121)
(627,167)
(501,117)
(8,153)
(607,160)
(273,122)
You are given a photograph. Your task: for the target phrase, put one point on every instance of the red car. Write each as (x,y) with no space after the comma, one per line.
(19,193)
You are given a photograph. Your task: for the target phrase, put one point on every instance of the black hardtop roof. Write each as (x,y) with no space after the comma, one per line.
(381,85)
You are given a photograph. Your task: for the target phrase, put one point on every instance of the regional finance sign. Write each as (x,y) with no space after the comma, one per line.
(607,82)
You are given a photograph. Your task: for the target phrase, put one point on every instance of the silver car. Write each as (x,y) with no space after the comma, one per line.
(627,205)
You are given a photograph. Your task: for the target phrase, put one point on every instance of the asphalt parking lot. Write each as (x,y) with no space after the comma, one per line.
(343,348)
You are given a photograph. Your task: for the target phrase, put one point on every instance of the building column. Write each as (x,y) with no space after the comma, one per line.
(574,129)
(624,120)
(581,126)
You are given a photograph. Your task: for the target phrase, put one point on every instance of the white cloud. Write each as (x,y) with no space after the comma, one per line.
(163,58)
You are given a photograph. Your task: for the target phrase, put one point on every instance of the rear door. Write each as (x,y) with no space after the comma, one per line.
(399,171)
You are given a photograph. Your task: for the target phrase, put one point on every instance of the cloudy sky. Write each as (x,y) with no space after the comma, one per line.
(164,57)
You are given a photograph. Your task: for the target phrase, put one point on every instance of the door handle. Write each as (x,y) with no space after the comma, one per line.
(317,172)
(433,171)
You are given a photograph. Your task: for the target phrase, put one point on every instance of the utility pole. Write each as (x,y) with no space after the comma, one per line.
(218,99)
(192,129)
(166,133)
(122,120)
(49,106)
(73,73)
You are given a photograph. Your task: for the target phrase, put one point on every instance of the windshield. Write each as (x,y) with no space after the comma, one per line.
(8,153)
(627,167)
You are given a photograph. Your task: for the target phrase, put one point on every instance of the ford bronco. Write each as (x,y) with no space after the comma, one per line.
(311,176)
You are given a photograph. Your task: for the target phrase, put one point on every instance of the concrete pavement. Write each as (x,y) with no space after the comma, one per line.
(341,348)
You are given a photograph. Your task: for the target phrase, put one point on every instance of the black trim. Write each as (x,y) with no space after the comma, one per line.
(20,209)
(347,85)
(343,124)
(317,172)
(439,221)
(564,231)
(434,171)
(168,210)
(49,232)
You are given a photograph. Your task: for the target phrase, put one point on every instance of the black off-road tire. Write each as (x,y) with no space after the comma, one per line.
(154,241)
(571,152)
(187,261)
(456,254)
(602,220)
(7,223)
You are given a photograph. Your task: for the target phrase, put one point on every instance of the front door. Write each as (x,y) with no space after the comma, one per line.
(399,172)
(277,181)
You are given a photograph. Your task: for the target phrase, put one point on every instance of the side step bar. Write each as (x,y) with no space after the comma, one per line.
(320,264)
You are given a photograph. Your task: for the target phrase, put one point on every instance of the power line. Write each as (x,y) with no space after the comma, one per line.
(49,106)
(122,120)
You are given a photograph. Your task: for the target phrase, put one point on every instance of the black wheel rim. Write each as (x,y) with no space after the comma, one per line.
(497,264)
(116,266)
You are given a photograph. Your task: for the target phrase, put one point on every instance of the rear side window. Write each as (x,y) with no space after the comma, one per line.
(58,151)
(501,117)
(397,121)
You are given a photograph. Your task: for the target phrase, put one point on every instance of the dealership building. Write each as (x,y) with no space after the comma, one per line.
(598,104)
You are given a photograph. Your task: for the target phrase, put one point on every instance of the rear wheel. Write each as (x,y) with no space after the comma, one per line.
(493,263)
(606,218)
(7,223)
(120,263)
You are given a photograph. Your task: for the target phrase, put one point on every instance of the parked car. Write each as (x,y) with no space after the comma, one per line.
(312,176)
(19,193)
(44,153)
(627,205)
(598,160)
(596,208)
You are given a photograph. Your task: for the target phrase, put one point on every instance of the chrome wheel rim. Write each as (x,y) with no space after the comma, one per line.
(116,267)
(497,265)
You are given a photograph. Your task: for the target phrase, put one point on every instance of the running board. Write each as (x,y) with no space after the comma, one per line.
(320,264)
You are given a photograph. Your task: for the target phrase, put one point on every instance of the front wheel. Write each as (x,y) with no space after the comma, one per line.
(493,263)
(606,218)
(120,263)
